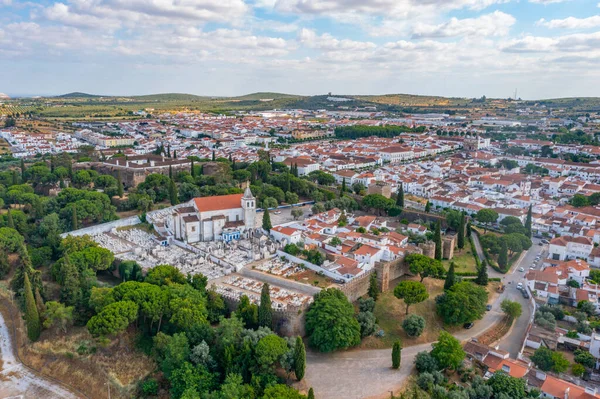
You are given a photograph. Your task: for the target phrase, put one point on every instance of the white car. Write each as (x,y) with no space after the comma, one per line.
(521,269)
(520,286)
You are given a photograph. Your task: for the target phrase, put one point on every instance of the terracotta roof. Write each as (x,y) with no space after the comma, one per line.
(218,203)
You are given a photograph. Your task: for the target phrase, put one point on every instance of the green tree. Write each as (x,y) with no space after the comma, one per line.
(119,185)
(486,216)
(579,201)
(330,322)
(542,358)
(482,275)
(173,193)
(299,359)
(113,319)
(463,303)
(511,308)
(74,221)
(10,223)
(503,255)
(396,354)
(560,364)
(373,291)
(266,222)
(447,351)
(437,239)
(528,221)
(428,207)
(461,232)
(400,197)
(377,203)
(58,315)
(248,313)
(311,394)
(411,292)
(413,325)
(585,358)
(281,391)
(269,350)
(424,266)
(505,386)
(343,190)
(32,317)
(578,370)
(450,277)
(265,311)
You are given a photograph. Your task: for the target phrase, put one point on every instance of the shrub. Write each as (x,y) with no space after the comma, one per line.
(425,363)
(149,387)
(413,325)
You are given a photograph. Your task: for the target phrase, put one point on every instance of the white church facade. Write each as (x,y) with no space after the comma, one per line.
(219,218)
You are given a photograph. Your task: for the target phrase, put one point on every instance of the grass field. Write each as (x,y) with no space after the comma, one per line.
(464,260)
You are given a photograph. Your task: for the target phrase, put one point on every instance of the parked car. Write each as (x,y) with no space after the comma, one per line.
(525,294)
(541,244)
(468,326)
(521,269)
(488,307)
(277,212)
(520,286)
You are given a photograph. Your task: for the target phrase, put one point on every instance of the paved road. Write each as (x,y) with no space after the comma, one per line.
(491,271)
(16,381)
(280,281)
(513,341)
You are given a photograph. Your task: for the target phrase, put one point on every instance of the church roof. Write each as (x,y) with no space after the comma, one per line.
(218,203)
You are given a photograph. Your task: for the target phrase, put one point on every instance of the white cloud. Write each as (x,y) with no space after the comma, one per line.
(588,43)
(545,2)
(494,24)
(571,23)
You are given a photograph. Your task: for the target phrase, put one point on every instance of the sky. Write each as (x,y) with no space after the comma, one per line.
(459,48)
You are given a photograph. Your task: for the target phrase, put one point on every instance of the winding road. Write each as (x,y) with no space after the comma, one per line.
(16,381)
(362,373)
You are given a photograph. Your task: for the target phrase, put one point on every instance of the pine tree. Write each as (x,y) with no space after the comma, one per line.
(266,222)
(173,193)
(74,221)
(437,238)
(482,274)
(311,394)
(400,198)
(373,286)
(461,232)
(10,222)
(428,207)
(119,185)
(192,171)
(299,359)
(450,277)
(396,354)
(503,255)
(528,221)
(343,190)
(265,312)
(32,317)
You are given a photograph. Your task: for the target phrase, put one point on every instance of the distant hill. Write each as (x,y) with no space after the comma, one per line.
(77,94)
(4,96)
(168,97)
(265,96)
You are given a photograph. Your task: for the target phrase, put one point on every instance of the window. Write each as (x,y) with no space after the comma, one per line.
(193,229)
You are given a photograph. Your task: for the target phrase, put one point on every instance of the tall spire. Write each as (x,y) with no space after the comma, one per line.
(248,192)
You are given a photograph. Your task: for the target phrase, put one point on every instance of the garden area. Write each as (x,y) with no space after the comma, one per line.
(464,261)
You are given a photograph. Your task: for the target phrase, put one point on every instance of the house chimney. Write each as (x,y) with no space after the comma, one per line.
(117,162)
(127,163)
(152,163)
(567,392)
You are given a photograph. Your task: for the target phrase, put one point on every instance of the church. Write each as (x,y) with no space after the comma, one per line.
(219,218)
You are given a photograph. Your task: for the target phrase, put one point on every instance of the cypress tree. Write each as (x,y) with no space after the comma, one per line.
(119,185)
(170,172)
(482,274)
(173,193)
(450,277)
(461,232)
(15,178)
(437,238)
(400,198)
(175,154)
(70,169)
(265,312)
(233,164)
(213,155)
(343,187)
(528,222)
(32,317)
(428,207)
(396,354)
(230,159)
(299,359)
(52,163)
(503,255)
(469,228)
(266,222)
(169,151)
(22,170)
(311,394)
(39,303)
(373,287)
(4,264)
(192,171)
(10,222)
(74,220)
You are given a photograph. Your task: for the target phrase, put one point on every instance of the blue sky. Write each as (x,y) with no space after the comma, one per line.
(462,48)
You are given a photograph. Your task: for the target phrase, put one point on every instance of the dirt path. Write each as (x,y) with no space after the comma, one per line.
(16,381)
